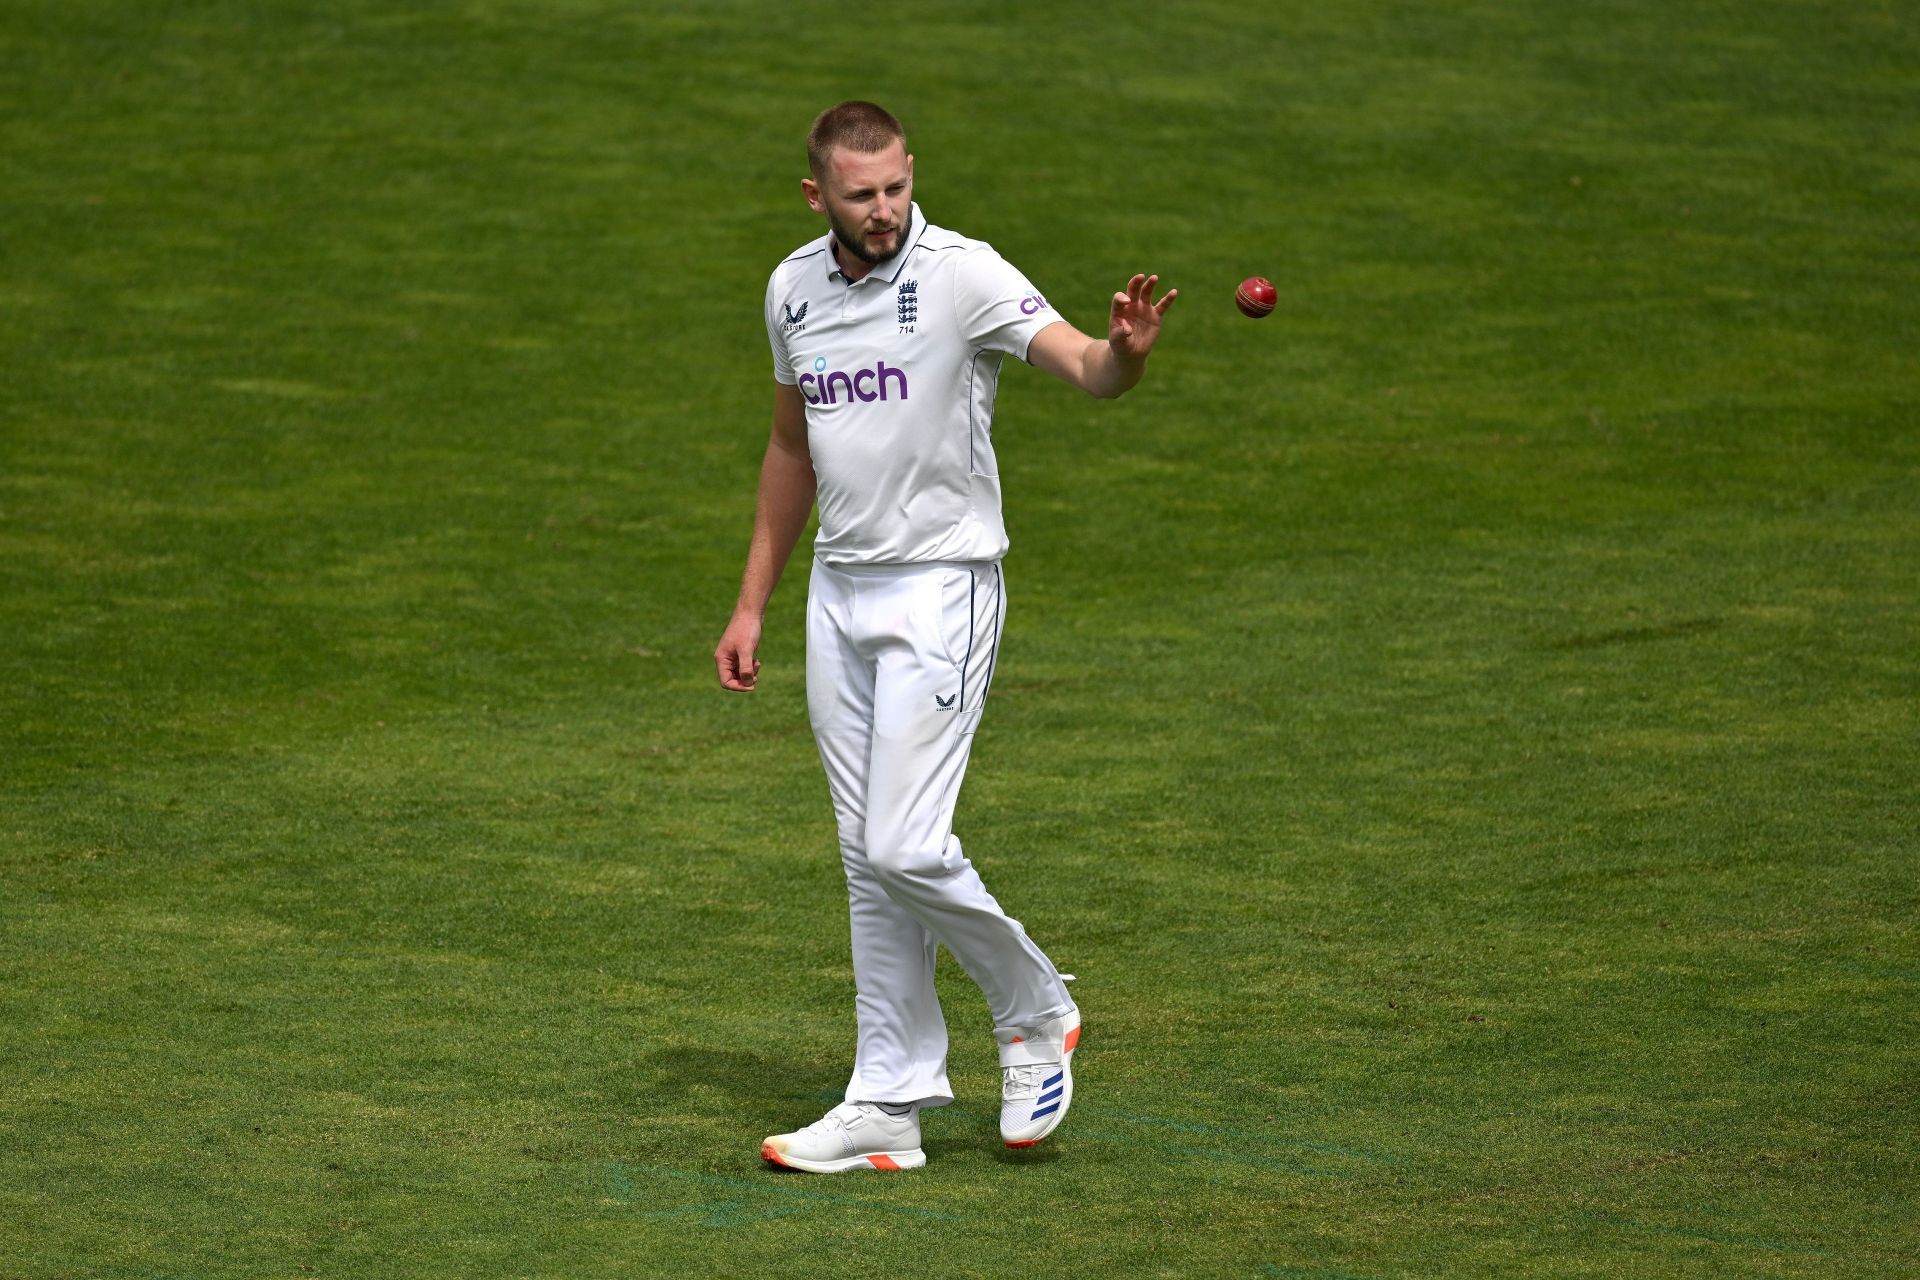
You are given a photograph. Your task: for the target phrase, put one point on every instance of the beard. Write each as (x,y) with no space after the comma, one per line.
(855,244)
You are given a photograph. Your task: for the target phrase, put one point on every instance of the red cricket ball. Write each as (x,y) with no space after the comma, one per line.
(1256,296)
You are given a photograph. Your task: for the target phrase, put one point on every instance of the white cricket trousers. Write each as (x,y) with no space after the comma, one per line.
(899,658)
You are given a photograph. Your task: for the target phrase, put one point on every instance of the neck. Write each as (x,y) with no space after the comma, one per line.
(852,265)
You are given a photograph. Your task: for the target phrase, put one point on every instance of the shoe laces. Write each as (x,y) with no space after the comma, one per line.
(843,1116)
(836,1118)
(1022,1082)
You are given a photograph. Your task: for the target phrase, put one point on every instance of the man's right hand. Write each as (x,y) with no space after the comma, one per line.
(735,657)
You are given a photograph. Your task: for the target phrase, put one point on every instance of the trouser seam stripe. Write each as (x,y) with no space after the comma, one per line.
(999,616)
(972,626)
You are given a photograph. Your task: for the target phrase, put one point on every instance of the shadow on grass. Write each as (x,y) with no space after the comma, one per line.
(962,1129)
(768,1093)
(1031,1157)
(764,1088)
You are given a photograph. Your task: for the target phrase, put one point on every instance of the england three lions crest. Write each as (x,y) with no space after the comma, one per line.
(907,302)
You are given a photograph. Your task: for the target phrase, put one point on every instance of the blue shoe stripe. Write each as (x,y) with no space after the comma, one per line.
(1044,1111)
(1051,1094)
(1054,1079)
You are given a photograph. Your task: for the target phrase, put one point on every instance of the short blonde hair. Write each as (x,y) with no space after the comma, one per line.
(858,126)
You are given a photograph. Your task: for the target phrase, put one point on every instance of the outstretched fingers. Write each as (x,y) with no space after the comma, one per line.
(1136,305)
(1140,294)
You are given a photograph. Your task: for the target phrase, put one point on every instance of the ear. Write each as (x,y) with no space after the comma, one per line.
(811,190)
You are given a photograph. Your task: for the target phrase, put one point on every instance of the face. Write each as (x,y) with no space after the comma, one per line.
(867,198)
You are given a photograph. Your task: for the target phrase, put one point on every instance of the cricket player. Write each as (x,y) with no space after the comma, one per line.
(888,335)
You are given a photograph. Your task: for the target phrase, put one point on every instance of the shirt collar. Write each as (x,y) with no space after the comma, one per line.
(890,269)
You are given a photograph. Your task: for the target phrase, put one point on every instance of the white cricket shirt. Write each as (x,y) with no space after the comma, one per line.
(899,371)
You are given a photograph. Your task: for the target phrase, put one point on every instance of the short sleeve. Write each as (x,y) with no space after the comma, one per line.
(777,336)
(995,307)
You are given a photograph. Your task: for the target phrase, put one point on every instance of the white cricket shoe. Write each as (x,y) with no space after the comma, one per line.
(1036,1078)
(854,1135)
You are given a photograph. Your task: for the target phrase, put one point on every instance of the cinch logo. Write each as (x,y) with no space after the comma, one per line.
(1032,304)
(866,385)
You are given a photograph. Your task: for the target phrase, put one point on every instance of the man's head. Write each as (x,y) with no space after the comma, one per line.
(862,179)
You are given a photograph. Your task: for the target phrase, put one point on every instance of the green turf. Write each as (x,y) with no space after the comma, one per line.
(1462,730)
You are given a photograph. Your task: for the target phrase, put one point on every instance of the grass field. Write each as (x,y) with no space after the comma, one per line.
(1463,731)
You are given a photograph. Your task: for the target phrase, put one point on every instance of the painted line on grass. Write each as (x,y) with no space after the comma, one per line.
(620,1183)
(736,1210)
